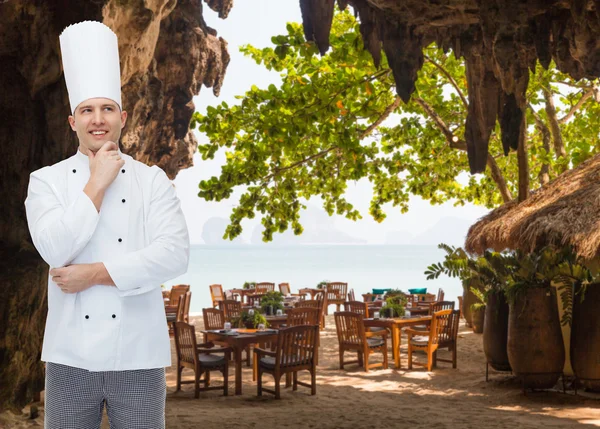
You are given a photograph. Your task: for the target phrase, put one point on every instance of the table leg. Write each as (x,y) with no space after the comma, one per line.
(238,370)
(396,346)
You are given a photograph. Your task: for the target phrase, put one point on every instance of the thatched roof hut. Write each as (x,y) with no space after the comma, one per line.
(564,212)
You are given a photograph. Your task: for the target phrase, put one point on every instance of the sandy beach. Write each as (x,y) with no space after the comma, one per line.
(391,398)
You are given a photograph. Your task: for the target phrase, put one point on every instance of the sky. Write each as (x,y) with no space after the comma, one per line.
(255,22)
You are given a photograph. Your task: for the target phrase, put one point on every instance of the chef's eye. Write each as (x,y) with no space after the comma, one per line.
(86,110)
(110,109)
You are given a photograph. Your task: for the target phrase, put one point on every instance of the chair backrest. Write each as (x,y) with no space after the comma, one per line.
(231,309)
(440,295)
(183,311)
(351,295)
(359,307)
(303,316)
(284,288)
(296,346)
(350,327)
(311,303)
(185,343)
(440,324)
(441,305)
(177,291)
(213,318)
(428,297)
(264,287)
(449,335)
(336,291)
(412,298)
(216,294)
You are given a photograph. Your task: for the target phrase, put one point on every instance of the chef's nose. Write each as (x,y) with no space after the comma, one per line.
(98,117)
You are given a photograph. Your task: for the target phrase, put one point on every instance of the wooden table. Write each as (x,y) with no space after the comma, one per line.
(241,292)
(395,325)
(276,321)
(418,311)
(238,343)
(311,291)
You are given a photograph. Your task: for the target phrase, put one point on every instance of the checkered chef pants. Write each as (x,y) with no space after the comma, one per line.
(75,398)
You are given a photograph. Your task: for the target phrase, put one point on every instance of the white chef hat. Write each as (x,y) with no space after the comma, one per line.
(90,57)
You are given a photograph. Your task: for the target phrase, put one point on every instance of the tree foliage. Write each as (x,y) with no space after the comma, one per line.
(335,119)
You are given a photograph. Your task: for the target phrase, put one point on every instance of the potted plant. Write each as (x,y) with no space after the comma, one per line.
(249,285)
(478,312)
(535,345)
(487,276)
(394,306)
(322,284)
(271,302)
(250,321)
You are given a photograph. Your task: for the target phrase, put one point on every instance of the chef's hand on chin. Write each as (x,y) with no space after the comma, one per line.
(73,278)
(105,165)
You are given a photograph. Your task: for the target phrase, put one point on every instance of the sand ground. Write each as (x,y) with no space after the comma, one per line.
(445,398)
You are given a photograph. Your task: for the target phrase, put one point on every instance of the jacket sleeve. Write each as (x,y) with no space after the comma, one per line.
(167,255)
(59,233)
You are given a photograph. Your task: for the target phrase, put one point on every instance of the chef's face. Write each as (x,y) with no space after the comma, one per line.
(96,121)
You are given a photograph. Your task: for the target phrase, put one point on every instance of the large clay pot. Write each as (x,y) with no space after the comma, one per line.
(535,346)
(477,319)
(585,337)
(468,299)
(495,331)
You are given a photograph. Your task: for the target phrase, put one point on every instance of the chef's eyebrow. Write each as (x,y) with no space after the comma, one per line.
(89,106)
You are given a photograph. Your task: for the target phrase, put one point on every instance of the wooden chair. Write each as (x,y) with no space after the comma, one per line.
(215,319)
(231,309)
(426,299)
(176,292)
(336,294)
(315,303)
(295,351)
(254,298)
(304,316)
(216,294)
(264,287)
(359,307)
(448,339)
(434,307)
(429,341)
(440,295)
(352,336)
(285,289)
(351,295)
(179,312)
(201,358)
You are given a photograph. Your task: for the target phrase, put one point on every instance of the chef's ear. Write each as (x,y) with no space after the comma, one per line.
(72,122)
(123,118)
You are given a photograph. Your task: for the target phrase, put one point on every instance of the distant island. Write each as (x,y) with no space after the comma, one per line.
(319,228)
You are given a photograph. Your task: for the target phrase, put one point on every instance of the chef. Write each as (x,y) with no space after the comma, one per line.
(112,230)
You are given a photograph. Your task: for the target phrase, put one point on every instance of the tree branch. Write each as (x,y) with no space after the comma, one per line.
(523,162)
(577,106)
(455,143)
(541,126)
(387,112)
(450,78)
(559,146)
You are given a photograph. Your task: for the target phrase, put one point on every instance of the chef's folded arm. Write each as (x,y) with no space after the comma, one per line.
(167,255)
(58,233)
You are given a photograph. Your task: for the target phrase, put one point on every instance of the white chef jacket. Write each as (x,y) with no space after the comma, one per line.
(140,235)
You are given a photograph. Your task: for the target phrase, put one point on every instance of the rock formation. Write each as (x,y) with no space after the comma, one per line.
(167,53)
(500,41)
